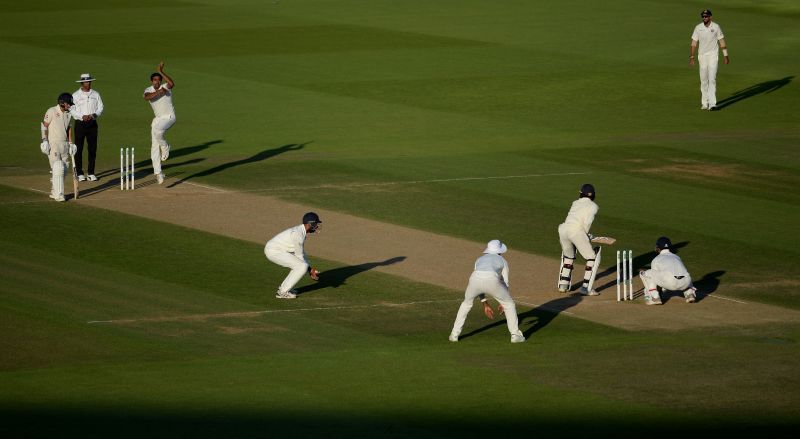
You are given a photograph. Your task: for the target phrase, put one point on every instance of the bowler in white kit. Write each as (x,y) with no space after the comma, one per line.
(159,94)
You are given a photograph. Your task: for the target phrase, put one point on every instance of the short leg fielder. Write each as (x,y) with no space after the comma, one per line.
(298,266)
(159,150)
(491,285)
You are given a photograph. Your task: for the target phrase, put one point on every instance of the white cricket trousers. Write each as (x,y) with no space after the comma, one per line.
(487,283)
(708,79)
(657,278)
(574,238)
(159,146)
(58,158)
(298,266)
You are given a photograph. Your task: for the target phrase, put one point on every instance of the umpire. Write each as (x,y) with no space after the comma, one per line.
(88,107)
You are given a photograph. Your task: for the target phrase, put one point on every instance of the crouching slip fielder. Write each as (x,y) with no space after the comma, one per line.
(574,234)
(160,97)
(668,272)
(57,142)
(286,250)
(490,277)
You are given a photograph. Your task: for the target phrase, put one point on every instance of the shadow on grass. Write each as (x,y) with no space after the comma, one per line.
(142,169)
(755,90)
(337,277)
(534,319)
(263,155)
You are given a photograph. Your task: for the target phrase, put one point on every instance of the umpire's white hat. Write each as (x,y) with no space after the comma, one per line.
(85,77)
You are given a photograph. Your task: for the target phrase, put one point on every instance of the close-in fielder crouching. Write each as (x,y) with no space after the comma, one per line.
(574,236)
(489,277)
(668,273)
(286,250)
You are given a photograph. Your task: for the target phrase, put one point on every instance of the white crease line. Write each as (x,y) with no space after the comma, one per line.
(394,183)
(255,313)
(204,186)
(727,298)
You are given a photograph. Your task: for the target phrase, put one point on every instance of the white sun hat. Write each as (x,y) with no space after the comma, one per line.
(495,247)
(85,77)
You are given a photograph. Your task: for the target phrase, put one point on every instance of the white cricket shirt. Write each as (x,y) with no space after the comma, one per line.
(581,214)
(162,105)
(86,104)
(707,38)
(290,240)
(492,263)
(668,262)
(57,123)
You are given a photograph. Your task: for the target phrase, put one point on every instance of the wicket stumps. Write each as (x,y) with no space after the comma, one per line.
(625,275)
(126,172)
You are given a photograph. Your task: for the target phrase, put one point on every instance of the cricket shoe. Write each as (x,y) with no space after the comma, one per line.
(285,295)
(517,338)
(652,301)
(453,338)
(59,198)
(704,107)
(586,292)
(563,289)
(81,177)
(690,296)
(92,177)
(160,178)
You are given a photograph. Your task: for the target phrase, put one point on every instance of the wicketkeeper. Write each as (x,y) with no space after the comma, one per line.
(668,273)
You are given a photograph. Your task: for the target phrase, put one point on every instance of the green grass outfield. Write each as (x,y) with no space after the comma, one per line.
(337,362)
(477,119)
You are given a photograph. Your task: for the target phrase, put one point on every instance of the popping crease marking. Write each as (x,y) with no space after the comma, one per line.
(395,183)
(256,313)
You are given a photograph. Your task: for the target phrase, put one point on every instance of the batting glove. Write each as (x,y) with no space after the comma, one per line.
(45,147)
(73,148)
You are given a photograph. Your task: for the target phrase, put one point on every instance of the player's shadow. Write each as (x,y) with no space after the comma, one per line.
(639,262)
(754,90)
(144,167)
(707,284)
(263,155)
(337,277)
(532,320)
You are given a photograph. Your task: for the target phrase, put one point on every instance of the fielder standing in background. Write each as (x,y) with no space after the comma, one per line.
(490,277)
(286,250)
(57,142)
(88,107)
(705,38)
(574,234)
(159,95)
(668,272)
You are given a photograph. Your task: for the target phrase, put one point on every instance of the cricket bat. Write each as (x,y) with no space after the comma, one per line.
(74,178)
(603,240)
